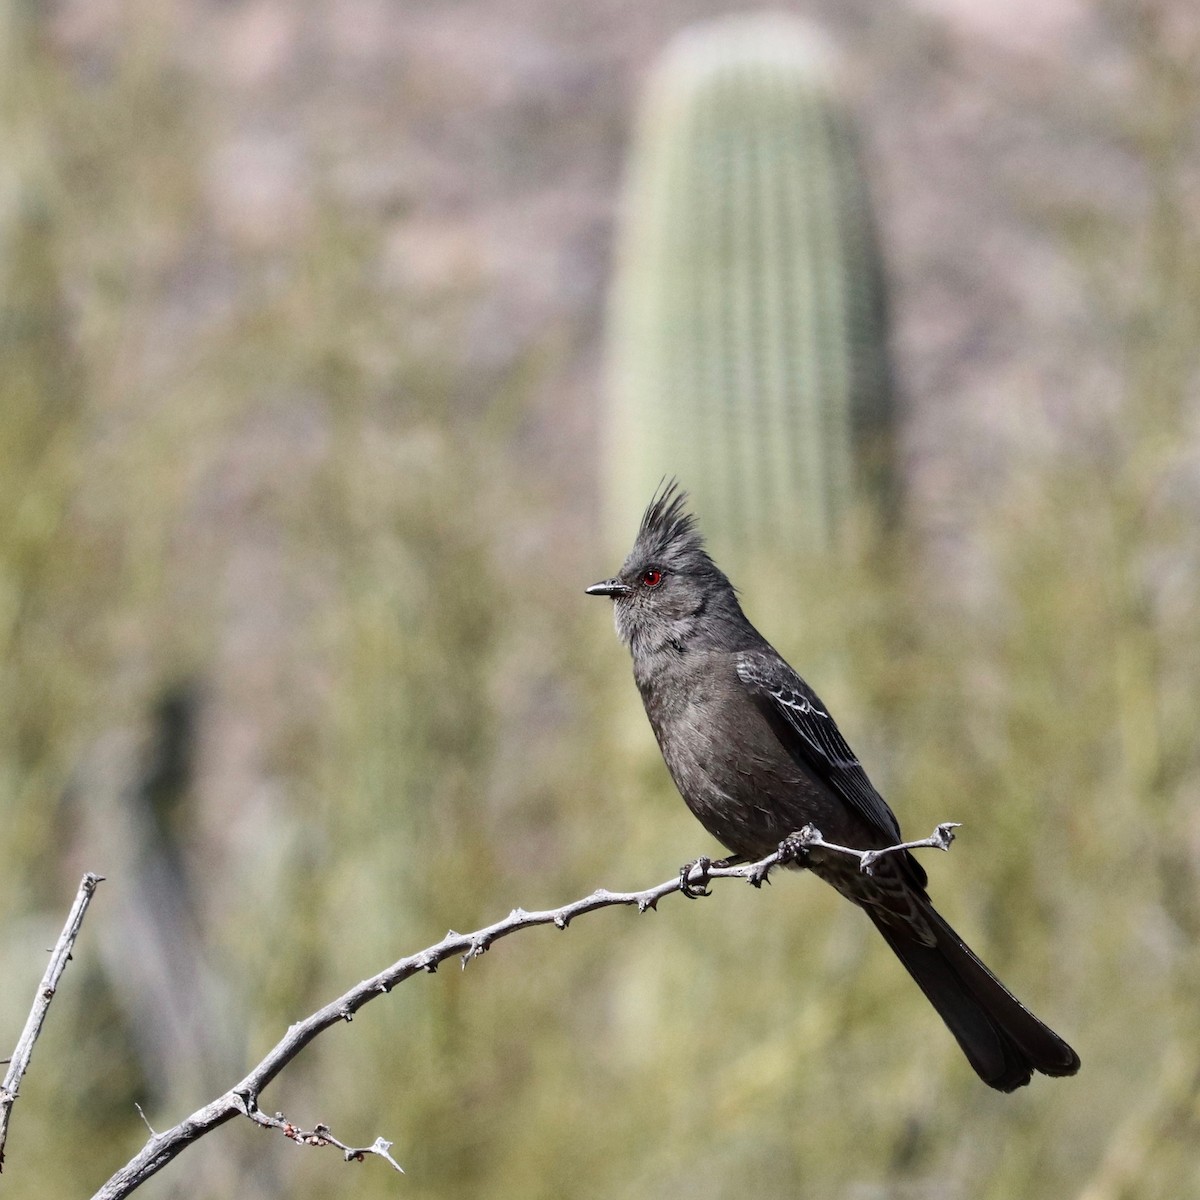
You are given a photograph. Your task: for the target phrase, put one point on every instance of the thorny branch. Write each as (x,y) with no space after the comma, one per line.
(939,839)
(242,1099)
(59,957)
(319,1135)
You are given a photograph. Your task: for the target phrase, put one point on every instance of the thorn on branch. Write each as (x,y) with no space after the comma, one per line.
(943,835)
(381,1148)
(480,944)
(757,874)
(145,1119)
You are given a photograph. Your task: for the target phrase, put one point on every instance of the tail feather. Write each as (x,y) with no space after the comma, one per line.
(1001,1038)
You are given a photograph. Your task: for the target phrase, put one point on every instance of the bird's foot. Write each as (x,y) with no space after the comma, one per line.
(794,847)
(699,867)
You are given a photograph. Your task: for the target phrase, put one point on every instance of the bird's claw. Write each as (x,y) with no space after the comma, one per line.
(693,891)
(794,847)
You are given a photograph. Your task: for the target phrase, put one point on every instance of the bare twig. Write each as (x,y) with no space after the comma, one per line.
(319,1135)
(59,957)
(242,1099)
(939,839)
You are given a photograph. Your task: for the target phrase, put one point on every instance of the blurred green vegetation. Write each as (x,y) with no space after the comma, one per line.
(297,506)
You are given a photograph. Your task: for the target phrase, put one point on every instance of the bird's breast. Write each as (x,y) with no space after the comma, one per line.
(726,762)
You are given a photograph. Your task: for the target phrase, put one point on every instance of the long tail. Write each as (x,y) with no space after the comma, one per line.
(1001,1038)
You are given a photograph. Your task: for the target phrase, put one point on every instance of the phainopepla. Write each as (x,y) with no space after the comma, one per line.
(757,756)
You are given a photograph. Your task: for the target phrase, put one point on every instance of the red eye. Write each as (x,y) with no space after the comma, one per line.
(652,577)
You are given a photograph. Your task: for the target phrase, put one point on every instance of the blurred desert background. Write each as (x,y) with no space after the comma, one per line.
(307,320)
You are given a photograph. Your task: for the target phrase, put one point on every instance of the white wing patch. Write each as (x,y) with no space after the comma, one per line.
(812,724)
(822,735)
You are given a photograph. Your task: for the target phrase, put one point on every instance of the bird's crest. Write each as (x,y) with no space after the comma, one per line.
(668,529)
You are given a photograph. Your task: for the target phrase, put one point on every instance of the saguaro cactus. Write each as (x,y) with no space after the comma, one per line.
(747,329)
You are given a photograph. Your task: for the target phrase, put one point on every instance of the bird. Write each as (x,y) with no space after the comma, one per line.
(757,756)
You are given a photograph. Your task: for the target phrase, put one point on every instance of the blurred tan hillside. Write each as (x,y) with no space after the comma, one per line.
(302,379)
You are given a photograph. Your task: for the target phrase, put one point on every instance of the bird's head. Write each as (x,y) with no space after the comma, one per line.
(668,592)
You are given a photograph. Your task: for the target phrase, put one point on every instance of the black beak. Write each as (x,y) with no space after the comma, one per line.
(609,587)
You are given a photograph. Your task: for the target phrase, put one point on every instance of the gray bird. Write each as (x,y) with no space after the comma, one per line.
(756,757)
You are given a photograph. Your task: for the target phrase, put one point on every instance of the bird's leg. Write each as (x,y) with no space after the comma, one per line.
(693,891)
(734,860)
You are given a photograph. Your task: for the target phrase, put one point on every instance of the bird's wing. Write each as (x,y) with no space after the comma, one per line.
(811,736)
